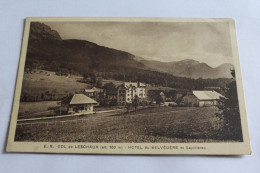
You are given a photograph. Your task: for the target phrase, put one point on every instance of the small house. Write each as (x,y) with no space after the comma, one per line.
(89,92)
(94,92)
(82,104)
(98,92)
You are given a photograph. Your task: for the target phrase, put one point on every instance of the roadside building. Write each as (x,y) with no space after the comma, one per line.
(128,90)
(201,98)
(94,92)
(81,104)
(89,92)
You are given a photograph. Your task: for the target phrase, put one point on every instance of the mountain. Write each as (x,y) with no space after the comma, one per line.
(224,69)
(47,50)
(191,69)
(41,31)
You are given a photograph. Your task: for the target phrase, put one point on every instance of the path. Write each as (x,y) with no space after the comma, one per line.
(62,117)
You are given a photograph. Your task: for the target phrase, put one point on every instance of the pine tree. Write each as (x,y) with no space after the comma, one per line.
(229,112)
(136,102)
(159,99)
(99,83)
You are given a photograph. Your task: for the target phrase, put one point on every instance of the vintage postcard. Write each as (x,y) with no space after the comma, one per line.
(129,86)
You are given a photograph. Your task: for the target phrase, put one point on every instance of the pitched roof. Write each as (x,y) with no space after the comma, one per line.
(135,84)
(89,90)
(207,95)
(97,89)
(81,99)
(130,84)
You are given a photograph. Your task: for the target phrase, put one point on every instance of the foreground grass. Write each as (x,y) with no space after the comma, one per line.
(161,124)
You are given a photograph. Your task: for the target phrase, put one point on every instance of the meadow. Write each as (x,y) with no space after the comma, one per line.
(36,109)
(158,124)
(43,82)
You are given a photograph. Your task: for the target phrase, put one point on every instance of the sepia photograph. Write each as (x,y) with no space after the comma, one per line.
(145,81)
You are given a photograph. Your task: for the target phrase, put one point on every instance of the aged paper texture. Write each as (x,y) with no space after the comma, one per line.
(129,86)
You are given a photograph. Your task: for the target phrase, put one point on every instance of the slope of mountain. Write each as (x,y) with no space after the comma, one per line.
(41,31)
(191,69)
(47,50)
(224,69)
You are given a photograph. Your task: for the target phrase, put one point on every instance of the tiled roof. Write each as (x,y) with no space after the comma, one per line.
(81,99)
(129,84)
(135,84)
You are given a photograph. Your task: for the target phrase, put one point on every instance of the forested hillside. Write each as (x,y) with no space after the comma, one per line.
(47,50)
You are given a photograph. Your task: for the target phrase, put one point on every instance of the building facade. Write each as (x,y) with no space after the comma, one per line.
(94,92)
(128,90)
(89,92)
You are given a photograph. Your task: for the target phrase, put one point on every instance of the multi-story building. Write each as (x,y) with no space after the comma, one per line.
(128,90)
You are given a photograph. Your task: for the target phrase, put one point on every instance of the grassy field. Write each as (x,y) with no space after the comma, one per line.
(159,124)
(115,82)
(35,109)
(40,82)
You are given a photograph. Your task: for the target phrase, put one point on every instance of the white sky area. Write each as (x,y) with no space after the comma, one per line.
(207,42)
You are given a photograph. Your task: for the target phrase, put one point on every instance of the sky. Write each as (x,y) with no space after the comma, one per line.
(207,42)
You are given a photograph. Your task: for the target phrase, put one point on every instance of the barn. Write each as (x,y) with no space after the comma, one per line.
(81,104)
(207,98)
(201,98)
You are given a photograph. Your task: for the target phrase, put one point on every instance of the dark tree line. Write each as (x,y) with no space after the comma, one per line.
(165,79)
(95,69)
(230,114)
